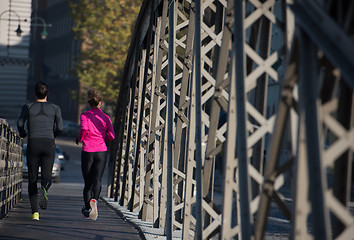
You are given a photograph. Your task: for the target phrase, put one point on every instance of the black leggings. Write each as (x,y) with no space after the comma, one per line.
(40,153)
(92,166)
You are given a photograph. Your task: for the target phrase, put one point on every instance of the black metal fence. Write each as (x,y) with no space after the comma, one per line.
(10,167)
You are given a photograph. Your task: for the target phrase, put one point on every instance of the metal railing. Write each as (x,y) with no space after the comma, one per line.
(269,135)
(10,167)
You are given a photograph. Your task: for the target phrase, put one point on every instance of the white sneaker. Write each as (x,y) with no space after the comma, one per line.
(94,211)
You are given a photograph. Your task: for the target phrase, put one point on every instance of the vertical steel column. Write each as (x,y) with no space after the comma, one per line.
(182,121)
(217,131)
(134,129)
(309,87)
(117,152)
(231,189)
(222,17)
(164,198)
(241,138)
(170,88)
(211,39)
(286,102)
(138,114)
(190,165)
(152,145)
(264,38)
(198,122)
(148,164)
(119,126)
(301,202)
(127,130)
(161,115)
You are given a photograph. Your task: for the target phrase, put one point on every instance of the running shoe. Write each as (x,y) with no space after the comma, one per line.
(85,212)
(43,198)
(94,211)
(35,216)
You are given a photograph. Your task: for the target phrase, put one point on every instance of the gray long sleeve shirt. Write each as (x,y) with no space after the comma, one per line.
(43,120)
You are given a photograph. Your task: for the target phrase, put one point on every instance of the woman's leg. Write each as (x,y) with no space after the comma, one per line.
(86,164)
(98,169)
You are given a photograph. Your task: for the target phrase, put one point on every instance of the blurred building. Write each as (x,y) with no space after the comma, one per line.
(14,56)
(53,55)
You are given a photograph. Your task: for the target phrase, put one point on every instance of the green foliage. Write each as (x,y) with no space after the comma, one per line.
(104,28)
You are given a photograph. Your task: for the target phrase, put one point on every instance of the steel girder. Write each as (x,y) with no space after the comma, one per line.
(275,110)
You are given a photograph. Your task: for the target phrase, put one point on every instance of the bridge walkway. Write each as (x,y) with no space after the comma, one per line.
(63,219)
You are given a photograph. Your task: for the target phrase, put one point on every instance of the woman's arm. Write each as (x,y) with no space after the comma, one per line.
(83,128)
(110,131)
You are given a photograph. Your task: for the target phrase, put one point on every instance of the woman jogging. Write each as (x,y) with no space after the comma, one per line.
(96,128)
(44,123)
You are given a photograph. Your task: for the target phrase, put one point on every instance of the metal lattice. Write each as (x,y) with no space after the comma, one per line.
(249,117)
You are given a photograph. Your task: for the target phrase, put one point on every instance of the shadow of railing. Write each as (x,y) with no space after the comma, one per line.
(10,167)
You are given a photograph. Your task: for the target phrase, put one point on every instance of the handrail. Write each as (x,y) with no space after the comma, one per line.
(10,167)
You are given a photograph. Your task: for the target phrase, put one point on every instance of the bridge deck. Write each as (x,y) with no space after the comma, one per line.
(63,219)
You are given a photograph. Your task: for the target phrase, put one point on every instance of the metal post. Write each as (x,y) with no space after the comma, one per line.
(301,202)
(308,80)
(129,134)
(198,120)
(170,86)
(139,149)
(284,106)
(160,131)
(241,137)
(183,119)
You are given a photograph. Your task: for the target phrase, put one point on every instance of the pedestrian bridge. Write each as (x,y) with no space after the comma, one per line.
(235,120)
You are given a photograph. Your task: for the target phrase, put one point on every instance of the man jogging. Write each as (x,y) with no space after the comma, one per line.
(44,123)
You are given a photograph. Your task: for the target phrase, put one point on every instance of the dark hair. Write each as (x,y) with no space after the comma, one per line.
(41,90)
(94,97)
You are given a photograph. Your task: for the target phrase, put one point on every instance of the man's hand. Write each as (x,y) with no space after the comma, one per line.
(23,134)
(77,141)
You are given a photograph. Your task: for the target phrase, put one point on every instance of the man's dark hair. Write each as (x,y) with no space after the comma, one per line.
(41,90)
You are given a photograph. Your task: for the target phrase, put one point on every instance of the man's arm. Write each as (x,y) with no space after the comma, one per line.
(22,120)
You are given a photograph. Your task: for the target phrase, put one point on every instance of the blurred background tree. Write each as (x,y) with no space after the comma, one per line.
(104,28)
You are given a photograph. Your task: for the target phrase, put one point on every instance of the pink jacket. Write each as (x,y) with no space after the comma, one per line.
(96,128)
